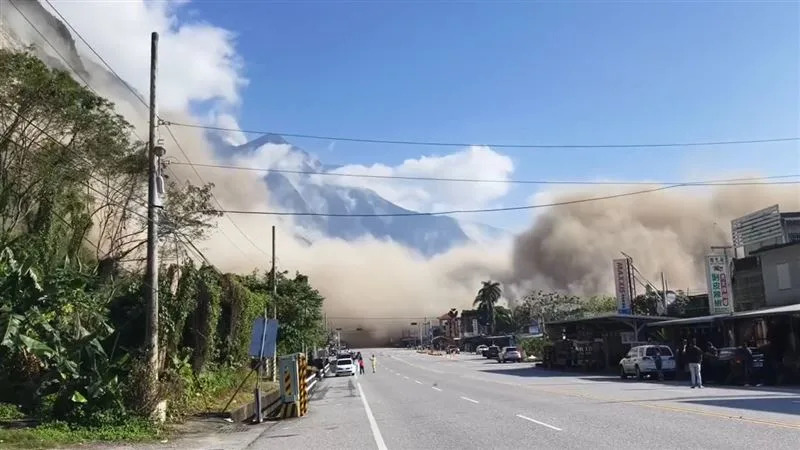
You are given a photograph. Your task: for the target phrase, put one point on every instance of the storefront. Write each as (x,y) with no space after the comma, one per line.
(601,341)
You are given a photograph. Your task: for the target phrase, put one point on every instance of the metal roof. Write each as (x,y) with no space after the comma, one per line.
(689,320)
(787,309)
(612,316)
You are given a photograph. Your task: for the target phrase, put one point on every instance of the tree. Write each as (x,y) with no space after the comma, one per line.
(599,304)
(299,308)
(487,297)
(504,322)
(647,304)
(547,307)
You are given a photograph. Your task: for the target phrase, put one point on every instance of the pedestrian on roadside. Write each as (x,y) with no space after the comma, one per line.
(659,364)
(361,366)
(374,362)
(681,363)
(694,356)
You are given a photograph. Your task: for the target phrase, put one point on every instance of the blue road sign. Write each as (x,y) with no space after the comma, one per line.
(263,338)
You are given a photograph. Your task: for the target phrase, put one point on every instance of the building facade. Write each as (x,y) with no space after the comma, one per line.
(764,228)
(780,271)
(748,284)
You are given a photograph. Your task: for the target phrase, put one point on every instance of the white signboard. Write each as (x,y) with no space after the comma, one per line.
(622,281)
(718,277)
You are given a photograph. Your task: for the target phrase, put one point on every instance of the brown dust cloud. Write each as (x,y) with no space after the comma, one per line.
(382,287)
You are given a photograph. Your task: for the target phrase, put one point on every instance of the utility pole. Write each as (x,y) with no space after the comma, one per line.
(664,291)
(151,278)
(274,308)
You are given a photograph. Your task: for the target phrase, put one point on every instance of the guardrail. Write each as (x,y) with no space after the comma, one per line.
(313,377)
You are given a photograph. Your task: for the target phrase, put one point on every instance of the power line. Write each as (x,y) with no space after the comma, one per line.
(177,233)
(495,145)
(105,63)
(471,180)
(214,197)
(142,100)
(500,209)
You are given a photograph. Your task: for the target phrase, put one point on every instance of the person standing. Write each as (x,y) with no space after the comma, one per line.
(659,364)
(694,356)
(374,362)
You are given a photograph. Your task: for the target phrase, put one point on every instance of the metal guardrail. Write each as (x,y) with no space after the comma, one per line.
(311,380)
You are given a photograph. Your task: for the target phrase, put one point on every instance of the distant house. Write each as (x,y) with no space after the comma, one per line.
(450,325)
(470,326)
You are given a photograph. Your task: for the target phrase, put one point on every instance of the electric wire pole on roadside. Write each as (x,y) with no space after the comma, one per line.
(153,206)
(274,309)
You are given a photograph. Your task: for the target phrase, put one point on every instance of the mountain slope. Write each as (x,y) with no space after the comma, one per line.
(302,194)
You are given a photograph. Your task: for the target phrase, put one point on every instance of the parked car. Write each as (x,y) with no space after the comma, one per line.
(728,366)
(640,361)
(345,366)
(509,354)
(481,349)
(492,352)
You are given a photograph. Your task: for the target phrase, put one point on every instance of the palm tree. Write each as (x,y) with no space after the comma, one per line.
(487,297)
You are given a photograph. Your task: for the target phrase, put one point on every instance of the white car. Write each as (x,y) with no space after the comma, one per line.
(640,361)
(345,366)
(509,354)
(481,349)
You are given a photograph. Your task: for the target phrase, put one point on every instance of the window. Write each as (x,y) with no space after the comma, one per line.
(784,280)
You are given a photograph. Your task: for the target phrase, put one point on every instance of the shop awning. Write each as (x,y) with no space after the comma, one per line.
(788,309)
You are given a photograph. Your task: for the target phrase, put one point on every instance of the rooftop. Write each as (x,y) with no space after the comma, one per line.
(787,309)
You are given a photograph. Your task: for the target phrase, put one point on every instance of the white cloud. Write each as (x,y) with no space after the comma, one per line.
(197,61)
(232,135)
(474,162)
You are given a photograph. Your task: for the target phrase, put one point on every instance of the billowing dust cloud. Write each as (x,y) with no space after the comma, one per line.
(382,287)
(570,248)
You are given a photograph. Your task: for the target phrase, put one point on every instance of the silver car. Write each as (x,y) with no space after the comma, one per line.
(509,354)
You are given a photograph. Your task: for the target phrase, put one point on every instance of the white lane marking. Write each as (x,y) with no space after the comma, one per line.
(417,381)
(469,399)
(539,423)
(434,387)
(376,432)
(406,377)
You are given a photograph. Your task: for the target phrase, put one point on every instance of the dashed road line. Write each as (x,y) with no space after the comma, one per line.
(436,388)
(469,399)
(538,422)
(406,377)
(417,381)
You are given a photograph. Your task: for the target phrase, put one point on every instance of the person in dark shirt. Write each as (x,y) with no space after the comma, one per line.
(659,364)
(694,356)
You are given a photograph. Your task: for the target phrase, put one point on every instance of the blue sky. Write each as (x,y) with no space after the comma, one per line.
(517,72)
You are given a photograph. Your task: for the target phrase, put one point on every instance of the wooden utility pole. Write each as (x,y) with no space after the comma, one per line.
(151,277)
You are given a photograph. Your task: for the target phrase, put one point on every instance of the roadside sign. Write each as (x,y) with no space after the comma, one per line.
(263,338)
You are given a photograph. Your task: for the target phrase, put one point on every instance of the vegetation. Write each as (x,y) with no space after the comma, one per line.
(487,298)
(551,306)
(72,240)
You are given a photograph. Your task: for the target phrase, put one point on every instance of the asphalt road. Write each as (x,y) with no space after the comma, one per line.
(419,401)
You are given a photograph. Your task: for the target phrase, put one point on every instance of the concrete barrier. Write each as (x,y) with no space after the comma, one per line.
(270,399)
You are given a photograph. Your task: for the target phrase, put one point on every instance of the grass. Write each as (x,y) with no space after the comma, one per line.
(211,393)
(10,412)
(56,434)
(213,390)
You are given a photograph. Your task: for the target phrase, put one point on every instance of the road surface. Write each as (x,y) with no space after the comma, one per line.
(418,401)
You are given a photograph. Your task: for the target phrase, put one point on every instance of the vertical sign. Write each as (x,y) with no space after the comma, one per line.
(622,282)
(718,276)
